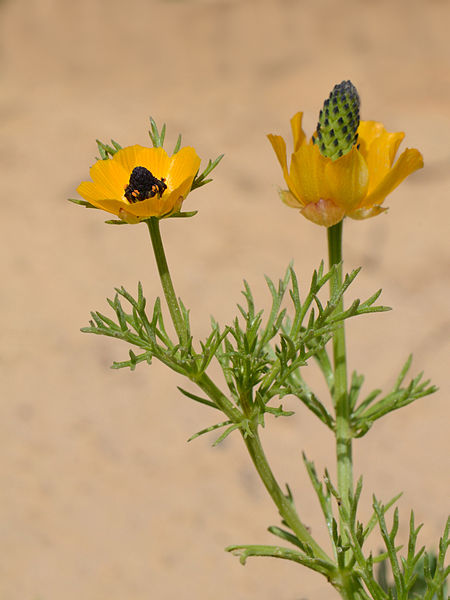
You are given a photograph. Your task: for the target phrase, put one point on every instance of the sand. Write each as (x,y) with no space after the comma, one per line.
(101,495)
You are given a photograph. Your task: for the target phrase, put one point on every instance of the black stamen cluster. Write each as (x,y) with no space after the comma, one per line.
(142,185)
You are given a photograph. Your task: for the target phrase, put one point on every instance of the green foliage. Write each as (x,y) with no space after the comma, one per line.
(415,573)
(157,137)
(81,202)
(368,411)
(107,151)
(262,358)
(134,326)
(427,579)
(316,564)
(200,179)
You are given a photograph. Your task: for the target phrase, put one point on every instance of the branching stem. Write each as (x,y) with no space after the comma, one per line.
(284,504)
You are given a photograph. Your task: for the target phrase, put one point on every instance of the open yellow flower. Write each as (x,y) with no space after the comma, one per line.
(138,182)
(354,185)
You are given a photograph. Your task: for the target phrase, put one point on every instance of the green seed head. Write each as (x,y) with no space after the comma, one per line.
(338,121)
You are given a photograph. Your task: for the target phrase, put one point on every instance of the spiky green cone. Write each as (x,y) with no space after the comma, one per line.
(338,121)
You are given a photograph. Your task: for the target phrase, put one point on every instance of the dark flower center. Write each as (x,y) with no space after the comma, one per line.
(143,185)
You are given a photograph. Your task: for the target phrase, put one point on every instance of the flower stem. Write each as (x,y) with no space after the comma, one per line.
(284,504)
(166,281)
(340,394)
(204,381)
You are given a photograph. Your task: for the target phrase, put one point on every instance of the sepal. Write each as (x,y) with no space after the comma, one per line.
(84,203)
(106,151)
(157,137)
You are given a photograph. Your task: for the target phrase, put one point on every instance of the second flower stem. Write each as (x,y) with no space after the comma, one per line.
(340,393)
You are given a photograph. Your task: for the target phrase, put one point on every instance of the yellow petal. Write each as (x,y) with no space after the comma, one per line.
(381,156)
(110,178)
(279,146)
(393,141)
(90,192)
(173,203)
(183,165)
(409,161)
(348,178)
(151,207)
(113,206)
(156,160)
(307,174)
(297,131)
(368,131)
(128,157)
(323,212)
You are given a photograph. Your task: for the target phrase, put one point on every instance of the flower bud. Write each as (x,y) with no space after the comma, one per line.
(338,121)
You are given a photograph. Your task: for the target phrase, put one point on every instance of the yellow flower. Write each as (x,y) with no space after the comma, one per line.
(138,183)
(354,185)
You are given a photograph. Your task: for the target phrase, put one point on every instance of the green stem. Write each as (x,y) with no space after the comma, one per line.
(166,281)
(340,394)
(253,443)
(254,447)
(213,392)
(284,504)
(204,381)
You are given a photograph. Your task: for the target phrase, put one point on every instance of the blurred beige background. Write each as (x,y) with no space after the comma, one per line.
(101,497)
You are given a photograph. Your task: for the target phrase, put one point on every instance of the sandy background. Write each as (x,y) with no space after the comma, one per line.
(100,496)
